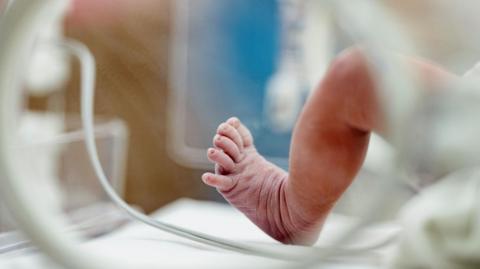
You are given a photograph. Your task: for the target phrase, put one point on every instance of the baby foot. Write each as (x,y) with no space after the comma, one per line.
(253,185)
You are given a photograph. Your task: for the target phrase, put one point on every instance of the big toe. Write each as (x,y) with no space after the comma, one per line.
(220,182)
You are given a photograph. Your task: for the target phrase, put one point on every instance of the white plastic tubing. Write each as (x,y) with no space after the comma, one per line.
(88,86)
(18,30)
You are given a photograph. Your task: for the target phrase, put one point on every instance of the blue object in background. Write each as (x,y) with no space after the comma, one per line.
(233,48)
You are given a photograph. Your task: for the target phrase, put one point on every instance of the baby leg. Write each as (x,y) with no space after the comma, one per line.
(328,148)
(331,137)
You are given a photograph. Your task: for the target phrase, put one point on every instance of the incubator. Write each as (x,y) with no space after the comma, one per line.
(62,177)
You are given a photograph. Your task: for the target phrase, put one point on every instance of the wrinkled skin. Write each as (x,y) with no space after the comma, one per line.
(328,148)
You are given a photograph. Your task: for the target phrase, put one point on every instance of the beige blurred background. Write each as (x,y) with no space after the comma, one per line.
(131,50)
(130,40)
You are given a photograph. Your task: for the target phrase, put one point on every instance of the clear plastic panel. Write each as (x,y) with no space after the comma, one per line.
(59,166)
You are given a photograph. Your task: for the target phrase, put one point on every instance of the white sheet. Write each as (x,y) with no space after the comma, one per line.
(147,245)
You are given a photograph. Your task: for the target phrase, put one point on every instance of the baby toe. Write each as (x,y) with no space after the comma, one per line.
(228,146)
(221,158)
(218,181)
(246,136)
(234,121)
(229,131)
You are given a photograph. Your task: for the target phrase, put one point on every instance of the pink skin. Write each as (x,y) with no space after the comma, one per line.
(248,181)
(94,13)
(328,148)
(85,14)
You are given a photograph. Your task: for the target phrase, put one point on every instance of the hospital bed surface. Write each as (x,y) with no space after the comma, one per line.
(142,243)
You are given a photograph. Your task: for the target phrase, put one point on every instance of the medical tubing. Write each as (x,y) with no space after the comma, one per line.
(19,28)
(87,65)
(88,80)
